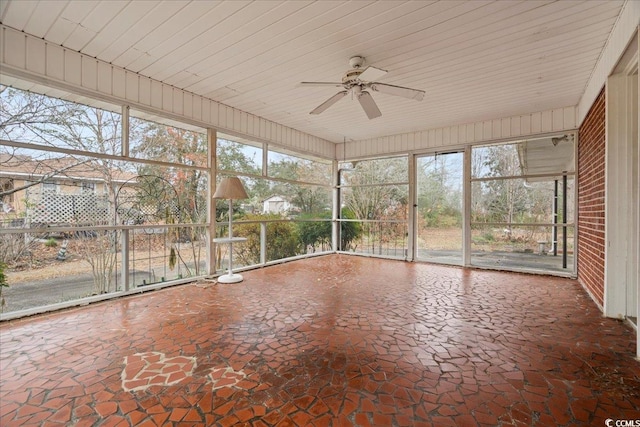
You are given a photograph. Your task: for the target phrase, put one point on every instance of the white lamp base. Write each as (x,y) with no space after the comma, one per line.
(230,278)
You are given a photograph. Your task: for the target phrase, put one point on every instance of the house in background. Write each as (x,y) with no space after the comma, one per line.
(57,190)
(275,205)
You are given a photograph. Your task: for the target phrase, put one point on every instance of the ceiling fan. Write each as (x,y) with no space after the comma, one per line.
(357,80)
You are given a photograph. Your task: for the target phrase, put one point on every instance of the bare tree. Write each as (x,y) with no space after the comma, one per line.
(40,120)
(373,201)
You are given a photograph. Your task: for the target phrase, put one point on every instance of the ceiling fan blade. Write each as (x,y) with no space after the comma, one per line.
(405,92)
(369,105)
(319,84)
(371,74)
(329,102)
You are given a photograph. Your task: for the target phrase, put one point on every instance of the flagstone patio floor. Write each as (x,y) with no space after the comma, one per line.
(333,340)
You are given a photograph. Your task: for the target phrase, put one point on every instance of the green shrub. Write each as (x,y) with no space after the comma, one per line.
(3,282)
(315,233)
(3,277)
(488,236)
(282,239)
(350,230)
(51,243)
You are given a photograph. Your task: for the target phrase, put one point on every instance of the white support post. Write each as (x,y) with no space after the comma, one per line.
(335,225)
(621,197)
(263,226)
(265,159)
(413,206)
(466,204)
(263,243)
(124,236)
(211,203)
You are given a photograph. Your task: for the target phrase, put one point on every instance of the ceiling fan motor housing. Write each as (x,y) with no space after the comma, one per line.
(351,77)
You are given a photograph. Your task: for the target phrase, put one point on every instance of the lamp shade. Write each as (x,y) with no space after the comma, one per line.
(230,188)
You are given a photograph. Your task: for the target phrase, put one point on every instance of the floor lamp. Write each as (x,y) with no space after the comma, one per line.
(231,189)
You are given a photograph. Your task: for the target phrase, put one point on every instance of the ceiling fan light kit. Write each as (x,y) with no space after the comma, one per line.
(356,81)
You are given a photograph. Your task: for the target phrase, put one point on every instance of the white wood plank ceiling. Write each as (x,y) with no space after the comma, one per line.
(476,60)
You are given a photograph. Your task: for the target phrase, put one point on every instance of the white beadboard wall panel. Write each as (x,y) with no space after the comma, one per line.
(525,122)
(89,72)
(144,96)
(411,142)
(496,128)
(156,94)
(546,123)
(207,114)
(197,108)
(2,45)
(14,57)
(570,115)
(104,78)
(460,134)
(54,61)
(230,121)
(477,131)
(72,70)
(487,129)
(119,83)
(36,57)
(536,123)
(178,101)
(237,123)
(505,128)
(188,104)
(627,24)
(167,98)
(516,127)
(262,131)
(557,119)
(220,115)
(211,111)
(132,87)
(431,138)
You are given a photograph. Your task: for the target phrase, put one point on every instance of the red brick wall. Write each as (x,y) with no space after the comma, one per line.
(591,162)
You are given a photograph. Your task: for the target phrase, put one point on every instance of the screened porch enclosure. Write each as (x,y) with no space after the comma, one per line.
(114,136)
(126,206)
(112,200)
(503,206)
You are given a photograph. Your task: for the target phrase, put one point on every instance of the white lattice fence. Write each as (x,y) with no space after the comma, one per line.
(81,209)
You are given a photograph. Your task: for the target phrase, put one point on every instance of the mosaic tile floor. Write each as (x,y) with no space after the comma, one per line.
(333,340)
